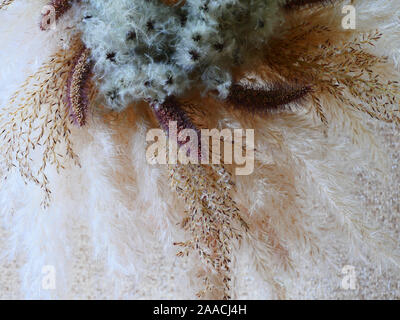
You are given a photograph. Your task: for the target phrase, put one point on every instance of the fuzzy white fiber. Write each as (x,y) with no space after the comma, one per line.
(110,227)
(156,52)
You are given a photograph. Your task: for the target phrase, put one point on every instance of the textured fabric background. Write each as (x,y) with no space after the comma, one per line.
(90,281)
(112,222)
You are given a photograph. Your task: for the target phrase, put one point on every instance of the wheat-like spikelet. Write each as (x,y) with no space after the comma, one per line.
(78,87)
(5,3)
(36,120)
(213,220)
(345,71)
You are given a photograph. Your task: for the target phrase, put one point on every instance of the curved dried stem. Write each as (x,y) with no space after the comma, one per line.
(213,221)
(170,110)
(345,71)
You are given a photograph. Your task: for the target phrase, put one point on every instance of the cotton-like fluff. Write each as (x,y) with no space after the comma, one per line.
(149,50)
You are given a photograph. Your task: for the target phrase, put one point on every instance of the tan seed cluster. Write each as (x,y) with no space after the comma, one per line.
(37,118)
(213,221)
(5,3)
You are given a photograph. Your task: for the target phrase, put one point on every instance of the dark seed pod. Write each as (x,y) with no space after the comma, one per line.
(170,110)
(255,99)
(297,4)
